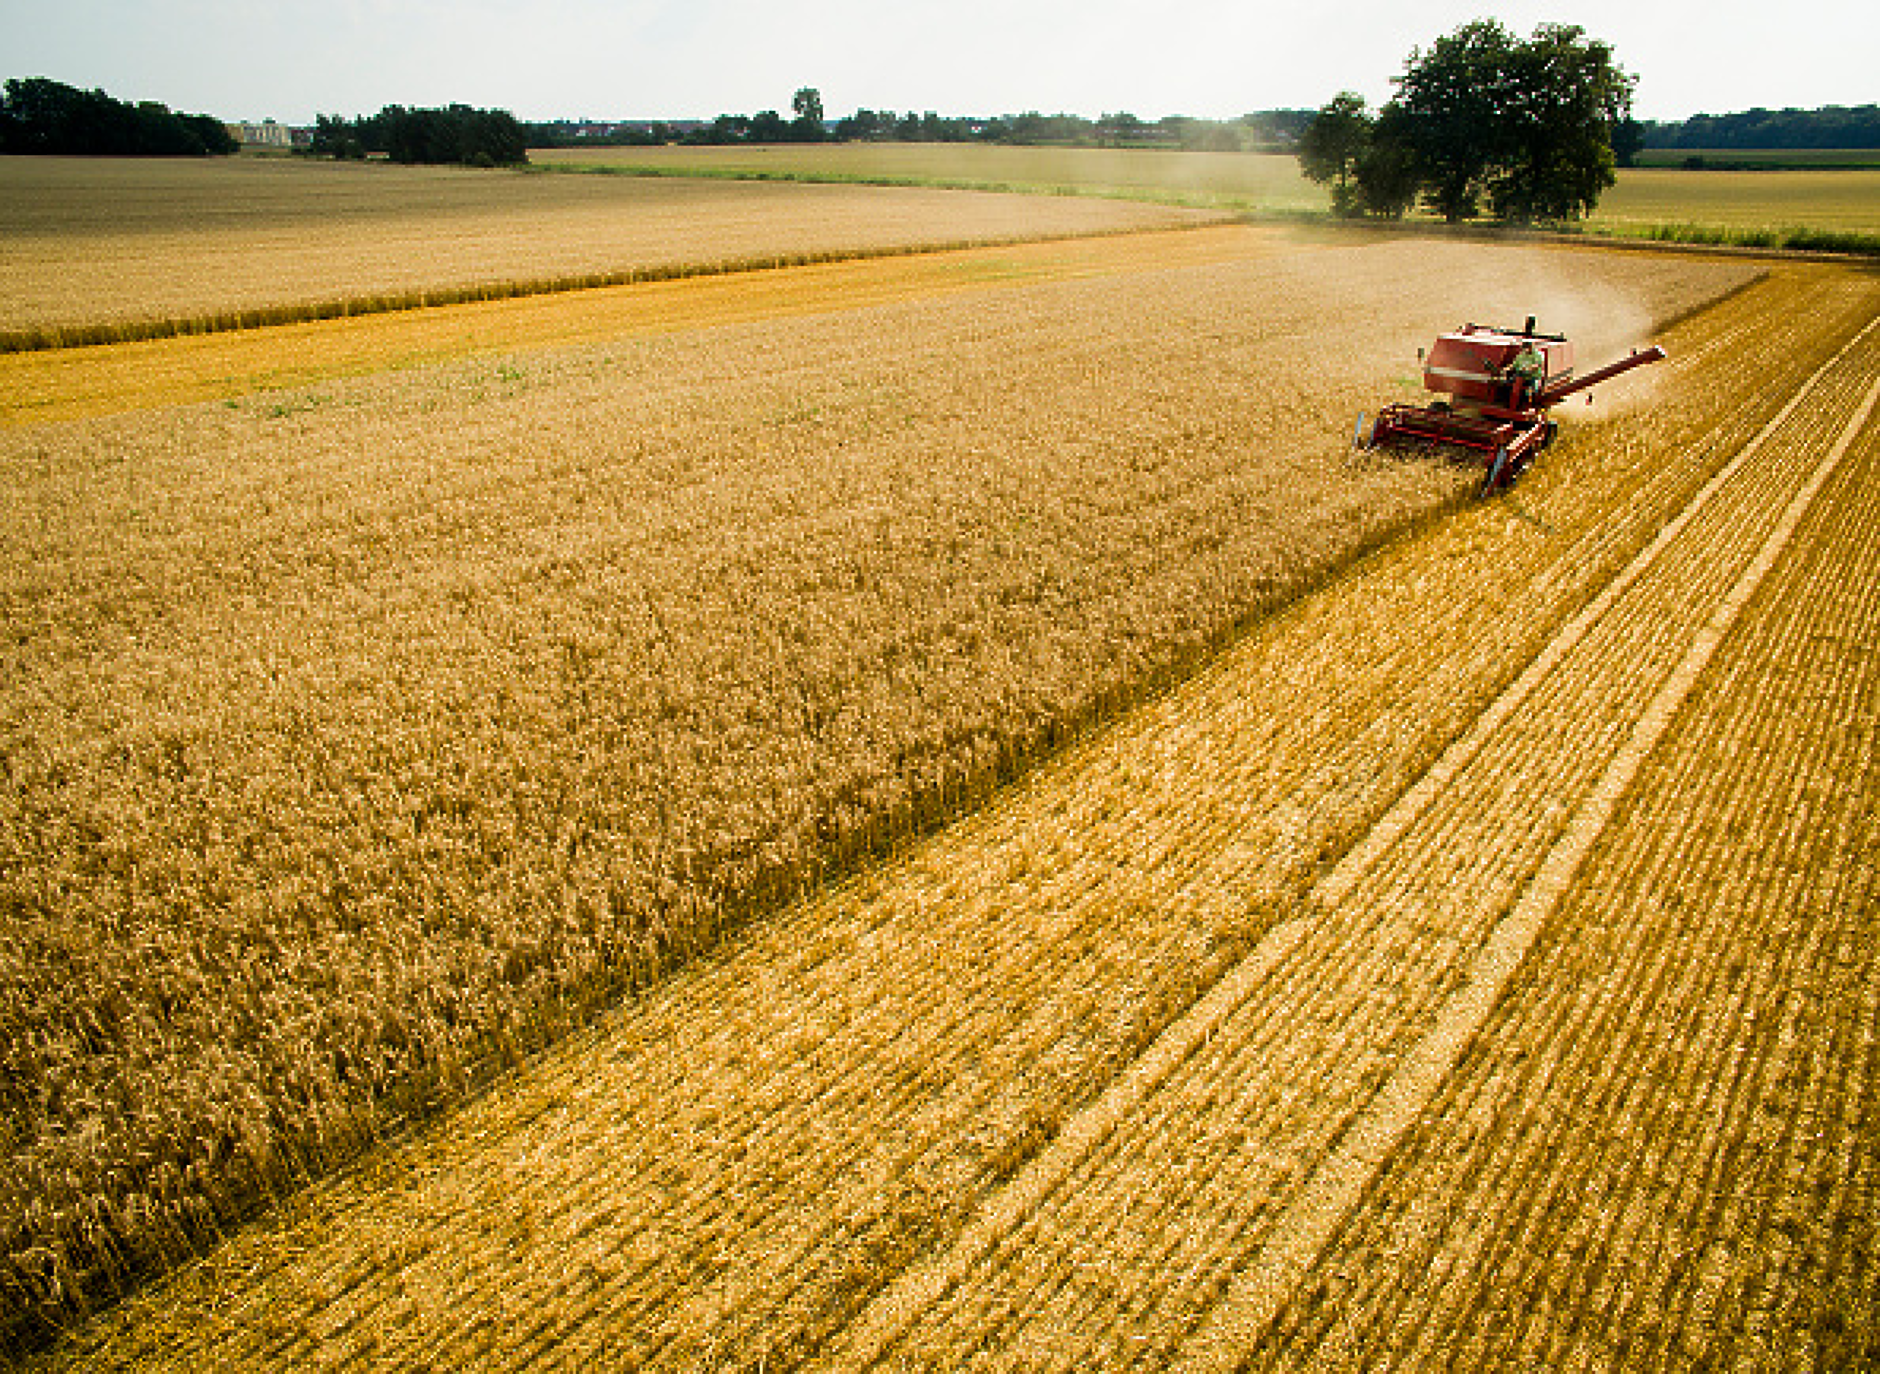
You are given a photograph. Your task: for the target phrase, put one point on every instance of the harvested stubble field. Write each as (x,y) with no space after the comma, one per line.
(958,1110)
(97,251)
(1569,1061)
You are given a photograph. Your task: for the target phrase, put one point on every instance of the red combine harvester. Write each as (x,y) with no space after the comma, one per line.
(1500,384)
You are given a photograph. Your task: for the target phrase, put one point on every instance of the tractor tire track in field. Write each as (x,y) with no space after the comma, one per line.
(1374,991)
(907,1077)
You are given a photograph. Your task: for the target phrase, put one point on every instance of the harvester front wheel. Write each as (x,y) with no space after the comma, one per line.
(1497,471)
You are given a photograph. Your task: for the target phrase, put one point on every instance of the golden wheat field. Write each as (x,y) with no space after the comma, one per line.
(1845,200)
(1049,860)
(58,384)
(1643,199)
(97,251)
(1239,181)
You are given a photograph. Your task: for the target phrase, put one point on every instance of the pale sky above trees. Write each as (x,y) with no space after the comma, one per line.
(254,59)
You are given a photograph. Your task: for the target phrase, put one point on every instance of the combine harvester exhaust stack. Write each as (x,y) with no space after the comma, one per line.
(1500,383)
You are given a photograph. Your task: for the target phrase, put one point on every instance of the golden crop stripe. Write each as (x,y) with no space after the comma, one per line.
(68,384)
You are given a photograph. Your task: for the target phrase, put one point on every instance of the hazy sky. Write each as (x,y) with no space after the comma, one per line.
(695,58)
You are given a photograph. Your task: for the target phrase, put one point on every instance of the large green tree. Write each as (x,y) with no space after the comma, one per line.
(1332,146)
(1567,100)
(1528,126)
(1453,106)
(1388,178)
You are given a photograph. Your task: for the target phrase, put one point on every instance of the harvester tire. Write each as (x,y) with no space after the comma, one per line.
(1496,470)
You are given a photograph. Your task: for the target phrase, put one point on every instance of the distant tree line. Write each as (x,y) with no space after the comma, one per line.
(1831,126)
(1267,130)
(454,134)
(1530,129)
(42,116)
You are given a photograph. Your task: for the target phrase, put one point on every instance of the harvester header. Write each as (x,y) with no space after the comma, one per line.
(1498,385)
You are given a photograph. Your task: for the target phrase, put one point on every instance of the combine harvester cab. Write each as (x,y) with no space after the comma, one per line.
(1499,385)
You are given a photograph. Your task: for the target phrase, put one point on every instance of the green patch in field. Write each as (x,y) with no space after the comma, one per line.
(1760,159)
(280,407)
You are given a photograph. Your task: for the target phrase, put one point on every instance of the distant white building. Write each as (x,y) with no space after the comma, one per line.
(266,134)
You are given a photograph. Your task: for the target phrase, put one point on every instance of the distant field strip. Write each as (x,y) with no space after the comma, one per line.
(1831,209)
(1236,181)
(64,384)
(756,1163)
(104,252)
(1846,200)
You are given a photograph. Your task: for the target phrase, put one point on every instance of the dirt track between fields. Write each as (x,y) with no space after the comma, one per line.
(1258,1030)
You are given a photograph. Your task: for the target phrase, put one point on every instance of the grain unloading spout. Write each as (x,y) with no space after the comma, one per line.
(1553,395)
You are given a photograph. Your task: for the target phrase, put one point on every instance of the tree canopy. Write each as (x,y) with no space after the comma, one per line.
(1830,126)
(453,134)
(808,108)
(42,116)
(1332,147)
(1529,126)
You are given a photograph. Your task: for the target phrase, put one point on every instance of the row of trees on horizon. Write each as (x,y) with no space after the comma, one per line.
(48,117)
(1828,127)
(455,134)
(493,137)
(1265,130)
(38,115)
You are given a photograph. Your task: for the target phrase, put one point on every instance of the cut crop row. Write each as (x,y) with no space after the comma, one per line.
(1192,1178)
(1661,1151)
